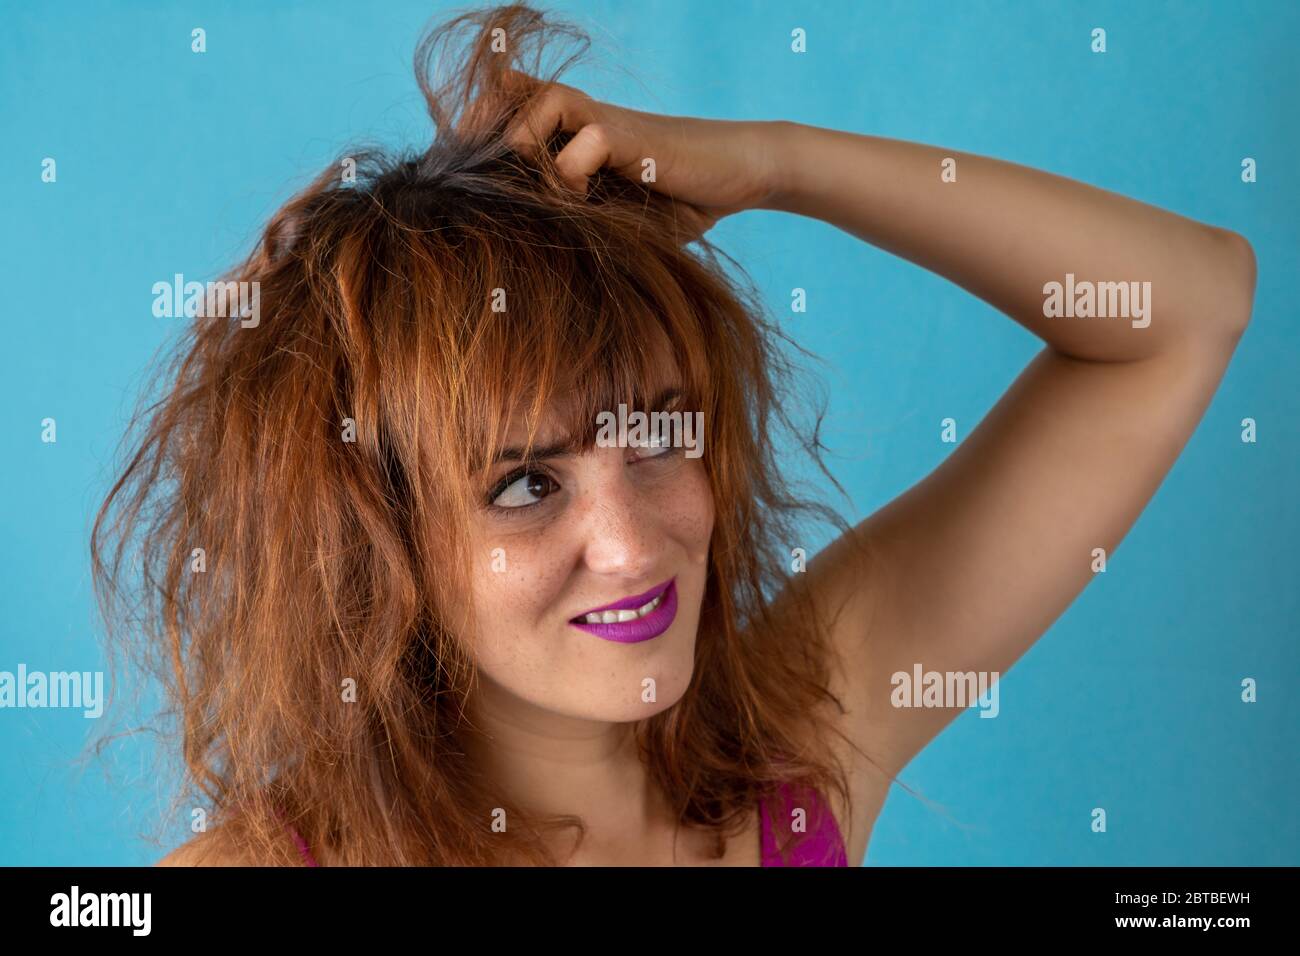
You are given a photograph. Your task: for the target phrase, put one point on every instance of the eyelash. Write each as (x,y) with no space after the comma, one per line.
(523,471)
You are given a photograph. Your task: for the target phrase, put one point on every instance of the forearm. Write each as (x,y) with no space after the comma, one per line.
(1004,231)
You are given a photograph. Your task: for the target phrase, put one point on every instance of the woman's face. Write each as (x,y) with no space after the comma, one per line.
(571,534)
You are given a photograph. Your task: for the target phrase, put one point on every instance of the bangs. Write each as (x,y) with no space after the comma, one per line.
(581,340)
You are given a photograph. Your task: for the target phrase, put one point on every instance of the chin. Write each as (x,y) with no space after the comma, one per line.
(630,711)
(671,666)
(626,699)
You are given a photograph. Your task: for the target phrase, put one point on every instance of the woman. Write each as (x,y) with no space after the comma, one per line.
(415,603)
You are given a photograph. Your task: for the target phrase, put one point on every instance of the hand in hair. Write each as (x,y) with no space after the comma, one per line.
(710,168)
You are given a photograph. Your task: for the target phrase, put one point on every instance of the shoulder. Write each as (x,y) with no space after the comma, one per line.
(842,588)
(221,847)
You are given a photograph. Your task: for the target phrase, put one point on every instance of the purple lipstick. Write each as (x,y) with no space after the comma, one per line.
(632,619)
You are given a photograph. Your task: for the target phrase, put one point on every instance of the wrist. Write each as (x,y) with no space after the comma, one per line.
(779,157)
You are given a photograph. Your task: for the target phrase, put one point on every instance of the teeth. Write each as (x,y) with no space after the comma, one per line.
(617,617)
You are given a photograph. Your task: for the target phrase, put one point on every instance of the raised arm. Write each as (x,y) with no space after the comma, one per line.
(974,563)
(969,567)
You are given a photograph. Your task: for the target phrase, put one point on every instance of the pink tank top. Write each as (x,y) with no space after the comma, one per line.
(823,845)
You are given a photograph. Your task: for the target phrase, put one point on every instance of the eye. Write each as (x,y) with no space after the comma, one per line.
(521,489)
(658,443)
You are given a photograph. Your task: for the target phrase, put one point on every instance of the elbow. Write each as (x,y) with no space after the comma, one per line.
(1236,259)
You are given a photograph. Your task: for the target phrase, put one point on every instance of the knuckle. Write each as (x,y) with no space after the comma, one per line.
(597,133)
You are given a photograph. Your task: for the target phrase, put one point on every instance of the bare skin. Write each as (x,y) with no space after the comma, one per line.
(974,563)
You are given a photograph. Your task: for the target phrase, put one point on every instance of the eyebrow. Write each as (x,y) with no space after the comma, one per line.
(565,448)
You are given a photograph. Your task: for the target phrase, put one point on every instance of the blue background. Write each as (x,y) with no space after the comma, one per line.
(170,161)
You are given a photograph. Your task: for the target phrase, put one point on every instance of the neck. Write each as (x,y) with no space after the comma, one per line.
(553,764)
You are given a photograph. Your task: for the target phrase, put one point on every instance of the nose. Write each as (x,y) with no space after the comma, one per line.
(620,529)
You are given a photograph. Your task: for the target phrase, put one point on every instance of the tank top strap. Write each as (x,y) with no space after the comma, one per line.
(822,845)
(303,849)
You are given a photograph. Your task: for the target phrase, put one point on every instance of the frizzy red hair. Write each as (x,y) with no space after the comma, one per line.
(330,559)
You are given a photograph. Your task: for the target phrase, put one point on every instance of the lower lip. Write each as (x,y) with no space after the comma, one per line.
(641,629)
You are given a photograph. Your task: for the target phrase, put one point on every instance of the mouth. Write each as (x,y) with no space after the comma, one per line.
(633,619)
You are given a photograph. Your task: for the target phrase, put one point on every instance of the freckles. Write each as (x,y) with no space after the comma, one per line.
(518,573)
(520,576)
(545,575)
(689,507)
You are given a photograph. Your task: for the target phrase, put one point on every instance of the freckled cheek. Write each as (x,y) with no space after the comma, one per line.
(515,585)
(687,508)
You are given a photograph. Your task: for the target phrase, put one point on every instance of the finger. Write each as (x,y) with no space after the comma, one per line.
(558,107)
(594,146)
